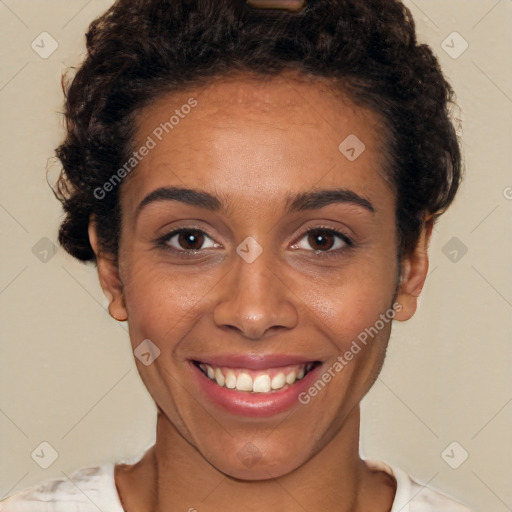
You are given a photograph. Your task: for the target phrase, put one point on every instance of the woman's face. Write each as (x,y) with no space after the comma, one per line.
(253,243)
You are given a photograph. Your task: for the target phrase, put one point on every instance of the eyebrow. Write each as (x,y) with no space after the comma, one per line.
(304,201)
(183,195)
(320,198)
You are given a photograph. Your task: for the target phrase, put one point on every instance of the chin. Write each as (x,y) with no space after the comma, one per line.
(248,463)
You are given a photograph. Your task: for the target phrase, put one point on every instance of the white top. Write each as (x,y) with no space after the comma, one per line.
(92,489)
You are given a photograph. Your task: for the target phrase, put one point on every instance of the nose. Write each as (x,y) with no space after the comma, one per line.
(255,301)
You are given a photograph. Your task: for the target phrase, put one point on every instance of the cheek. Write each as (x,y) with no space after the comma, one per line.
(346,304)
(162,304)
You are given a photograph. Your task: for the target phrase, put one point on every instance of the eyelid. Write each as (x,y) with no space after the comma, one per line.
(347,240)
(164,239)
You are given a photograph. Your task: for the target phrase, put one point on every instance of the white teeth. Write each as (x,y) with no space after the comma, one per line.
(278,381)
(290,378)
(210,372)
(261,384)
(219,377)
(230,379)
(244,382)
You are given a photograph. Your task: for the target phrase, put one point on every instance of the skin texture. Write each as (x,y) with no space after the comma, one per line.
(252,144)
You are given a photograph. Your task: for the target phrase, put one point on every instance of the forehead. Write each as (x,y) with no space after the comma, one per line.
(248,137)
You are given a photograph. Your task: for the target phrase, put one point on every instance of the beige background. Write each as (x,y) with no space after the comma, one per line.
(67,374)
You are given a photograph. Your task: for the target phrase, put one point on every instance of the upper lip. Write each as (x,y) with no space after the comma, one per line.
(253,361)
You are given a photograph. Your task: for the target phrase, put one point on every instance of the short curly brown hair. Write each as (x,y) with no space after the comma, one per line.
(140,50)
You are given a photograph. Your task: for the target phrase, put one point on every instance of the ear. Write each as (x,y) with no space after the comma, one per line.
(110,281)
(414,271)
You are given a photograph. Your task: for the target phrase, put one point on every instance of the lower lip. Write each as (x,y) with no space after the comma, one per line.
(255,405)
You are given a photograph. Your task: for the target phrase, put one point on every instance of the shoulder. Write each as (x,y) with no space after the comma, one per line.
(84,490)
(414,497)
(427,500)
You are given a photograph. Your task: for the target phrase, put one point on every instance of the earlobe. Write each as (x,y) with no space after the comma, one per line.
(108,274)
(414,273)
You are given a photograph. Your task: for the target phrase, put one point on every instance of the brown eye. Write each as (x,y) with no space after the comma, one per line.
(188,240)
(191,240)
(321,240)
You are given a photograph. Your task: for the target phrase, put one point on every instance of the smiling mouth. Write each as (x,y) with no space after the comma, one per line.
(256,381)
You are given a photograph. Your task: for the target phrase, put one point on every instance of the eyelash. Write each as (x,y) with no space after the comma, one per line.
(348,242)
(330,253)
(183,253)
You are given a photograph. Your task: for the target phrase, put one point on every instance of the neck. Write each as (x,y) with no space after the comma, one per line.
(174,476)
